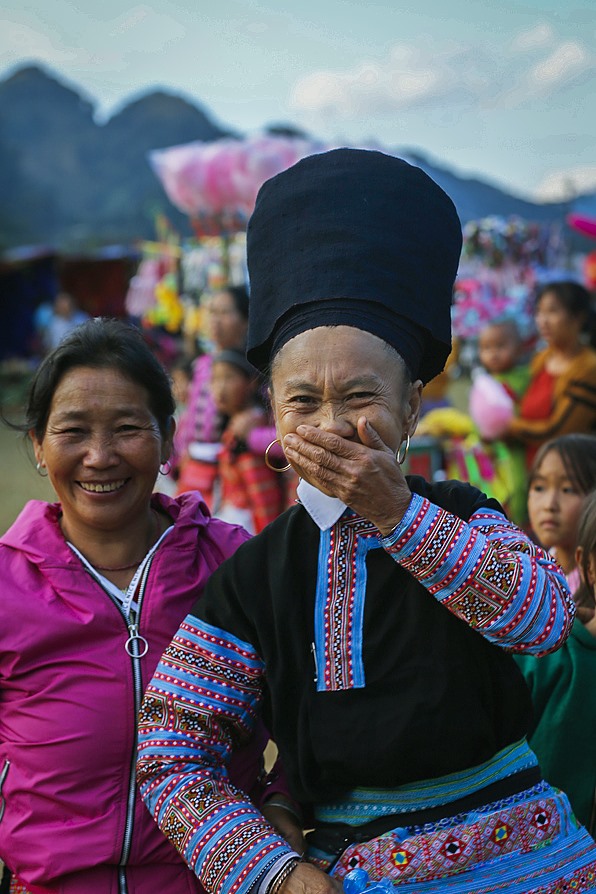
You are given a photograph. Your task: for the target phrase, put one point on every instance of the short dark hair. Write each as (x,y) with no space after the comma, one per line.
(578,455)
(100,343)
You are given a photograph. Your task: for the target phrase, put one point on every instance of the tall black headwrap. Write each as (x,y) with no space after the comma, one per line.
(359,238)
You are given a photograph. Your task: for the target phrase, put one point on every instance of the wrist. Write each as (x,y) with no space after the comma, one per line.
(281,877)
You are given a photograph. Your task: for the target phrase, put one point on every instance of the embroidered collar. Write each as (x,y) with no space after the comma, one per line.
(323,510)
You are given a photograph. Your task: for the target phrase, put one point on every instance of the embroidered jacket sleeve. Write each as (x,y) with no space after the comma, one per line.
(488,573)
(202,703)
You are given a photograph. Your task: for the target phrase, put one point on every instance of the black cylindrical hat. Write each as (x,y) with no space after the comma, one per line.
(354,237)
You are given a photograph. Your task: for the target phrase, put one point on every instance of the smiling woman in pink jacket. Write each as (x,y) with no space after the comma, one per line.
(93,588)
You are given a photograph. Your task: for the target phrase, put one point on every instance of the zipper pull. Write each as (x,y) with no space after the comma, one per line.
(136,645)
(313,651)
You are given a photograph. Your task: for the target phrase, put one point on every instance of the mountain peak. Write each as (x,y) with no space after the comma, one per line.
(33,82)
(65,178)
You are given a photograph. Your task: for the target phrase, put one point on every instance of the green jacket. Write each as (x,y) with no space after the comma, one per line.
(563,686)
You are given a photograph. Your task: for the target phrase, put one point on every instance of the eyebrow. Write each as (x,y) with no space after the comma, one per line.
(357,382)
(558,478)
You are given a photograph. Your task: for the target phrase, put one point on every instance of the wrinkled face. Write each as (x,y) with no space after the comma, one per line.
(498,348)
(331,376)
(102,449)
(232,390)
(555,324)
(227,327)
(554,504)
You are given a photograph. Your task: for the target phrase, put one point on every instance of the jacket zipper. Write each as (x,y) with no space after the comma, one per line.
(136,647)
(3,776)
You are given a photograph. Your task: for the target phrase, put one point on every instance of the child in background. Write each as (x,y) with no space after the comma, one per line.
(500,351)
(250,492)
(563,473)
(483,458)
(563,691)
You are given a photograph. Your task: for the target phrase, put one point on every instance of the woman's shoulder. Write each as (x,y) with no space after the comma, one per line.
(32,527)
(458,497)
(191,519)
(31,550)
(282,542)
(281,533)
(585,362)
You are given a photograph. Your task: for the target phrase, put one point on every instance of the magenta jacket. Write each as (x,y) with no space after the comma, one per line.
(71,820)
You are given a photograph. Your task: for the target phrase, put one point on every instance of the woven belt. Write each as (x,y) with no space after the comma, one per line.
(333,838)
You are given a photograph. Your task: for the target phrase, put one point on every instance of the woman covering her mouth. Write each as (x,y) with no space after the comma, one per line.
(372,624)
(93,588)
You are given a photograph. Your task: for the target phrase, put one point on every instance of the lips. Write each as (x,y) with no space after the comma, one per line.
(106,487)
(547,528)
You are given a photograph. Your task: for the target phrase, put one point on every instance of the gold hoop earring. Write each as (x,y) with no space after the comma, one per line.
(268,464)
(399,457)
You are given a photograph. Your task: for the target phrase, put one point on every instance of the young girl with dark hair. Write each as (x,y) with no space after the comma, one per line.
(563,473)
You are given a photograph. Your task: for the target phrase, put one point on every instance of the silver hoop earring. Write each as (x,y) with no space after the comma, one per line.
(165,468)
(268,464)
(39,468)
(400,457)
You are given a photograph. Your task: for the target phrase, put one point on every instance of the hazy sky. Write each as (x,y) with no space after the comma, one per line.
(501,88)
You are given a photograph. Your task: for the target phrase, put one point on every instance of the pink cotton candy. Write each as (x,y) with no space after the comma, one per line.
(223,177)
(491,407)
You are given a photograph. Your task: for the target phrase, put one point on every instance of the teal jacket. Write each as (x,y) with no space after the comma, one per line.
(563,686)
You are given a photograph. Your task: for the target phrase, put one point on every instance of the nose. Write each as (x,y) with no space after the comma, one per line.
(100,452)
(337,423)
(552,499)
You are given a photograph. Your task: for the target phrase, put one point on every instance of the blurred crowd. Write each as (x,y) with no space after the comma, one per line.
(524,374)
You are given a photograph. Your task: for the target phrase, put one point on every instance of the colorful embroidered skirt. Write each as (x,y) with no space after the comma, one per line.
(526,843)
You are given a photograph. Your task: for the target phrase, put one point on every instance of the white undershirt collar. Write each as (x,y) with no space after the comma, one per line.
(323,510)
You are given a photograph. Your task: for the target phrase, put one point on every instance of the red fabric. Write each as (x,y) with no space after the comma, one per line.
(537,403)
(246,482)
(199,476)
